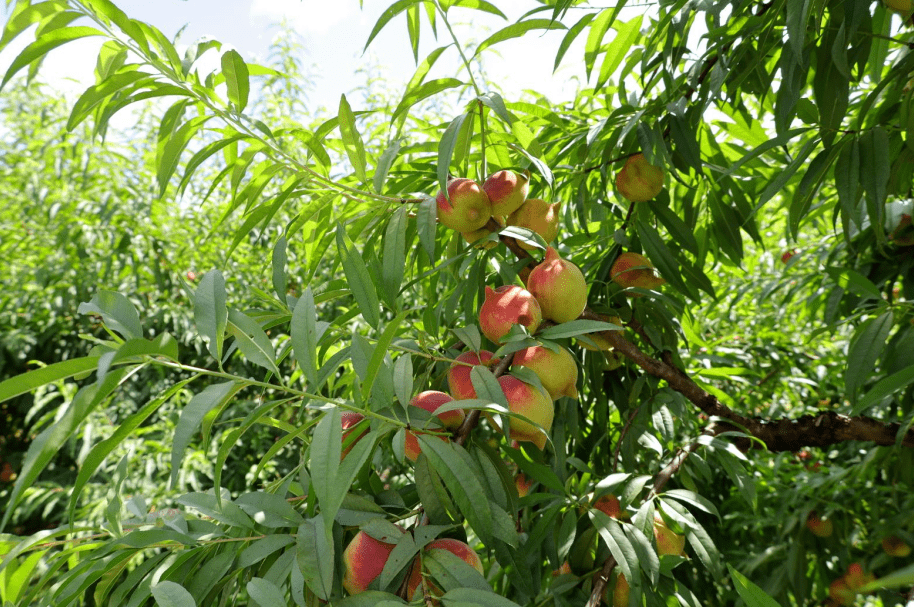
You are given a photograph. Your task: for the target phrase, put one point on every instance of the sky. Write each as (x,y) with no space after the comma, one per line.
(334,34)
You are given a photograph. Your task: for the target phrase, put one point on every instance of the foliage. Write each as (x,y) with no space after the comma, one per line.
(769,381)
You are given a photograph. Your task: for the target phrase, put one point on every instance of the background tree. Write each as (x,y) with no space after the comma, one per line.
(747,417)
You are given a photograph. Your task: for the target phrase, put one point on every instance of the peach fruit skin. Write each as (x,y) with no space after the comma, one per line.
(506,190)
(639,181)
(431,400)
(634,270)
(895,546)
(455,547)
(608,505)
(348,419)
(559,287)
(528,401)
(538,216)
(668,541)
(458,376)
(557,371)
(364,559)
(506,306)
(468,208)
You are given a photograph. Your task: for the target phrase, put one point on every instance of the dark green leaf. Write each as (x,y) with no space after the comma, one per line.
(358,279)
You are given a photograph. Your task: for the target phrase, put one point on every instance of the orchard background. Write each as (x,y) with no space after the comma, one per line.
(193,306)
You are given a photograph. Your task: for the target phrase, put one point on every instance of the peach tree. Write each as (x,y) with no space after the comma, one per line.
(653,346)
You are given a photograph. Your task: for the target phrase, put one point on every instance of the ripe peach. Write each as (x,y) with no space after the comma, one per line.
(564,569)
(431,400)
(458,376)
(557,371)
(523,484)
(639,181)
(608,505)
(634,270)
(668,541)
(528,401)
(895,546)
(363,560)
(620,592)
(350,419)
(819,526)
(841,592)
(506,306)
(856,578)
(467,207)
(559,287)
(788,255)
(507,190)
(538,216)
(455,547)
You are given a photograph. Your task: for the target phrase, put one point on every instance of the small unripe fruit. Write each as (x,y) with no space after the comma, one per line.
(557,371)
(349,419)
(905,8)
(788,255)
(819,527)
(895,546)
(505,307)
(559,287)
(668,541)
(523,484)
(431,400)
(506,190)
(363,560)
(468,208)
(639,181)
(538,216)
(458,376)
(455,547)
(634,270)
(528,401)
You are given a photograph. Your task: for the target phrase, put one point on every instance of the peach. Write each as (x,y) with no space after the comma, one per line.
(431,400)
(788,255)
(523,484)
(530,402)
(903,234)
(458,376)
(557,371)
(350,419)
(564,569)
(620,592)
(668,541)
(905,8)
(455,547)
(895,546)
(634,270)
(538,216)
(639,181)
(506,190)
(507,306)
(559,288)
(466,207)
(608,505)
(856,578)
(841,592)
(363,561)
(819,526)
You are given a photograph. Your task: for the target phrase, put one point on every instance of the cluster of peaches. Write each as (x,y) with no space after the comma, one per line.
(555,291)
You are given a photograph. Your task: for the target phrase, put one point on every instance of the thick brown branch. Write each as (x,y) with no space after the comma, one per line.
(826,428)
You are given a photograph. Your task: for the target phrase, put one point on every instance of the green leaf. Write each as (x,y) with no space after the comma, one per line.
(252,341)
(517,30)
(174,145)
(314,554)
(573,32)
(371,598)
(380,352)
(480,5)
(170,594)
(26,382)
(263,548)
(116,311)
(210,313)
(422,92)
(618,543)
(279,268)
(384,164)
(265,593)
(26,14)
(663,258)
(628,33)
(393,265)
(352,141)
(48,443)
(473,597)
(125,430)
(218,508)
(896,579)
(44,44)
(749,592)
(883,388)
(578,327)
(465,487)
(446,150)
(192,415)
(389,13)
(358,279)
(426,216)
(235,71)
(305,336)
(866,346)
(324,465)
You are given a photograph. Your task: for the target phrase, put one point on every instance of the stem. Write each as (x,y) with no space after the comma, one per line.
(466,62)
